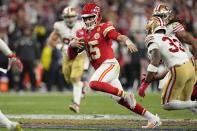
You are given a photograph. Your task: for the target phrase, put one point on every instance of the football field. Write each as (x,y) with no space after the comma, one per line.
(49,112)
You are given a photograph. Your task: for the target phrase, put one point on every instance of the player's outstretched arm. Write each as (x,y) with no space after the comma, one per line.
(152,70)
(187,38)
(128,42)
(13,60)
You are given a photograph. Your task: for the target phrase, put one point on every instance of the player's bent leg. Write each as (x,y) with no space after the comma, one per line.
(75,77)
(107,88)
(66,70)
(153,120)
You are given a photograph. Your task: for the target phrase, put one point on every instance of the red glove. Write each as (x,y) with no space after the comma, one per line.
(144,85)
(14,61)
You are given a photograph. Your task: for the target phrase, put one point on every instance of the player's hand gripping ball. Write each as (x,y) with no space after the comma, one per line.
(81,45)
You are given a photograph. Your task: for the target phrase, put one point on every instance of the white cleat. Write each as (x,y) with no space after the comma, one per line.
(15,126)
(74,107)
(154,123)
(130,99)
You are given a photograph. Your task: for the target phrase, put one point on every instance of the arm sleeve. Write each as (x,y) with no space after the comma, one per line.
(152,46)
(4,48)
(113,34)
(109,31)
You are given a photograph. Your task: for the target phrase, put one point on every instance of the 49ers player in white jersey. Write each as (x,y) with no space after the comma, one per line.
(98,42)
(64,31)
(13,60)
(178,89)
(174,26)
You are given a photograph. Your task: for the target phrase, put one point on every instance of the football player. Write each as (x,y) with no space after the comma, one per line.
(98,38)
(178,88)
(72,68)
(175,27)
(13,61)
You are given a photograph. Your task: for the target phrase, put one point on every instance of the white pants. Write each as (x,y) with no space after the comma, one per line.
(108,72)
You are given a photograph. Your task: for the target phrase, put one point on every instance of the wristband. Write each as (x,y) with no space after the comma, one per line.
(152,68)
(128,42)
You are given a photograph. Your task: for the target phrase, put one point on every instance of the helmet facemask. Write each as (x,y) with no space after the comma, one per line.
(90,21)
(91,15)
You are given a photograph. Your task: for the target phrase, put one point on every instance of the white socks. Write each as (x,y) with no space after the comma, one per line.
(4,120)
(149,116)
(179,105)
(77,91)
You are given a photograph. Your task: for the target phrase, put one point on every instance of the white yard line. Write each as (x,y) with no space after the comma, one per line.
(87,117)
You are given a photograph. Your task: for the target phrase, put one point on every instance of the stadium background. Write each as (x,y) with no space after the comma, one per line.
(49,111)
(128,16)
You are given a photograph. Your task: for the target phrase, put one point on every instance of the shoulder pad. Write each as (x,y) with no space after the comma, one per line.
(149,39)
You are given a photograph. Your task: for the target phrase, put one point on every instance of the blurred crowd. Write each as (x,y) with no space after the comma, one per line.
(26,25)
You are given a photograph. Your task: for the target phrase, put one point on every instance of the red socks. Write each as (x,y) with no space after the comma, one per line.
(105,87)
(138,108)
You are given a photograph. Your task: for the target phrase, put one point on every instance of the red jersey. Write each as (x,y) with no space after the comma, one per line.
(99,43)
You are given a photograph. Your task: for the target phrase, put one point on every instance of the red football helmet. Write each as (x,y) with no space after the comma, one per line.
(91,15)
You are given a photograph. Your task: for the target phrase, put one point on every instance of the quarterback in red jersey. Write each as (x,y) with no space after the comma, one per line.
(98,41)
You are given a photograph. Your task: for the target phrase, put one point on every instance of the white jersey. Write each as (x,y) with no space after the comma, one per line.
(66,33)
(175,27)
(170,47)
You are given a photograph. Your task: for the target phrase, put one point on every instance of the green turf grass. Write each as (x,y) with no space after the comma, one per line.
(57,103)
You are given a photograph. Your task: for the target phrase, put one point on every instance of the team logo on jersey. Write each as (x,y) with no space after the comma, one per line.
(98,29)
(97,36)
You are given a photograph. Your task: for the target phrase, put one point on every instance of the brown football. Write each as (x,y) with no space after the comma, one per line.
(79,50)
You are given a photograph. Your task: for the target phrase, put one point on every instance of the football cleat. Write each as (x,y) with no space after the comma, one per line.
(15,126)
(154,123)
(130,99)
(74,107)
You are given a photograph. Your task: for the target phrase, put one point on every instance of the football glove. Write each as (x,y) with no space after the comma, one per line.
(14,62)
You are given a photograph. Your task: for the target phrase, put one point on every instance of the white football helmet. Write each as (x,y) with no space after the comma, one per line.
(163,11)
(154,24)
(69,15)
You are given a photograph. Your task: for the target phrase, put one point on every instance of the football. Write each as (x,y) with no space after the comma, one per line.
(79,50)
